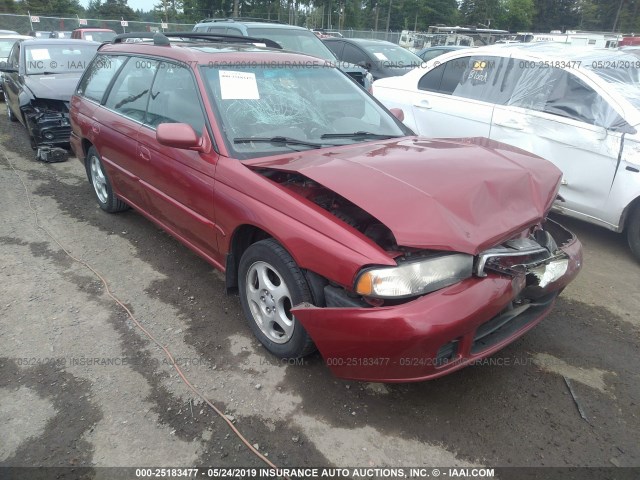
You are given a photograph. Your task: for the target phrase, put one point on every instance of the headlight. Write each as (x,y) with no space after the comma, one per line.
(415,277)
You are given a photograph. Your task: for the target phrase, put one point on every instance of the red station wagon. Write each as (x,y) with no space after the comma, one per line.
(400,258)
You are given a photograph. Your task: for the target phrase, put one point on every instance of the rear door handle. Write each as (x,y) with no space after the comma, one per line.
(144,153)
(512,124)
(423,104)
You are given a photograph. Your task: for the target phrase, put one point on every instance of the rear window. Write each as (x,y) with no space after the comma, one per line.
(99,36)
(303,41)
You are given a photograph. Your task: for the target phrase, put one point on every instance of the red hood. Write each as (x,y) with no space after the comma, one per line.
(463,195)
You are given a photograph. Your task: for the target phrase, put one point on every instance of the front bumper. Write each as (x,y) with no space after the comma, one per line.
(438,333)
(47,128)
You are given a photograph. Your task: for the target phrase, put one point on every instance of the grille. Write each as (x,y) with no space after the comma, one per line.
(509,322)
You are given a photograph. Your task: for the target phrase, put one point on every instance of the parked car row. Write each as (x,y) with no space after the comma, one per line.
(399,257)
(578,108)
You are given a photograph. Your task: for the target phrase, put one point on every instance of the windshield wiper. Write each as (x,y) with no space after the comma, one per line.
(277,140)
(359,135)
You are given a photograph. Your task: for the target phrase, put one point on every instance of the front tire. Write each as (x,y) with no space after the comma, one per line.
(270,285)
(107,200)
(633,232)
(10,114)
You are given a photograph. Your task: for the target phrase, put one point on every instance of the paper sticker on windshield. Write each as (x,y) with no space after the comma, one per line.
(380,56)
(88,37)
(238,85)
(39,54)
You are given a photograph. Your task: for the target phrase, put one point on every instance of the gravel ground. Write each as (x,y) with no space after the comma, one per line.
(61,405)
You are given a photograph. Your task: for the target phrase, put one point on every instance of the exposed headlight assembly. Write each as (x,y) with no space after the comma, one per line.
(415,277)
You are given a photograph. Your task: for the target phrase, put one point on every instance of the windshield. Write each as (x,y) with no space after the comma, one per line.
(300,106)
(5,46)
(99,36)
(393,55)
(303,41)
(58,58)
(622,73)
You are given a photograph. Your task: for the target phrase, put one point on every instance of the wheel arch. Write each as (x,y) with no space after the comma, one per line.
(246,235)
(627,213)
(242,238)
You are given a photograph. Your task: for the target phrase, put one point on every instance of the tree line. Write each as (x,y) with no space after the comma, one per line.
(512,15)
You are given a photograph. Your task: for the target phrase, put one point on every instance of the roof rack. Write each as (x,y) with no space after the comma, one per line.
(162,39)
(241,19)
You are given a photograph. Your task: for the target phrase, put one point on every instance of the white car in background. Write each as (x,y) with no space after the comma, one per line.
(578,108)
(7,39)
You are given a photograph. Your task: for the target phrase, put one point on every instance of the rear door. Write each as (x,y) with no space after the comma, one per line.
(179,182)
(559,116)
(456,98)
(116,127)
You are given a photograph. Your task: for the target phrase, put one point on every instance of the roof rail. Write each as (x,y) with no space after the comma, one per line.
(162,39)
(241,19)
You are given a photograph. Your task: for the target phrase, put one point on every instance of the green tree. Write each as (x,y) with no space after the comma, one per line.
(517,15)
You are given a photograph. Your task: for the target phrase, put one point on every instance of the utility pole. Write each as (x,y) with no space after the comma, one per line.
(388,18)
(615,22)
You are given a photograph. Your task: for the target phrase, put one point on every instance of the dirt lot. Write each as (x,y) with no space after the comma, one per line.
(80,384)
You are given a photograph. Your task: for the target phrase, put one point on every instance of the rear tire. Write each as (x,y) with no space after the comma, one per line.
(270,284)
(633,232)
(98,179)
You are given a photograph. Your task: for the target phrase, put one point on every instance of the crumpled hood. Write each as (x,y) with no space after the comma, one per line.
(54,87)
(461,195)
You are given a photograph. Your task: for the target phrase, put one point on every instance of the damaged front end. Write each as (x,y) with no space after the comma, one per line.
(538,260)
(474,306)
(47,122)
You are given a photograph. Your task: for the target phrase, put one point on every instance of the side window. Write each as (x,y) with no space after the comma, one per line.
(130,90)
(486,78)
(219,30)
(336,48)
(234,31)
(430,81)
(558,92)
(175,98)
(453,74)
(14,59)
(353,54)
(96,80)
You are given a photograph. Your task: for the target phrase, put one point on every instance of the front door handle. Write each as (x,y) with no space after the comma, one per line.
(423,104)
(144,153)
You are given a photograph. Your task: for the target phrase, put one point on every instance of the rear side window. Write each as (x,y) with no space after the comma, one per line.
(96,80)
(336,48)
(175,98)
(558,92)
(130,91)
(353,54)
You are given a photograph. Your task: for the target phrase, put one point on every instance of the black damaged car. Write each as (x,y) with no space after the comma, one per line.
(39,78)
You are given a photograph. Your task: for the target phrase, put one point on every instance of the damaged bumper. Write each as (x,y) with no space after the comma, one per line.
(47,126)
(446,330)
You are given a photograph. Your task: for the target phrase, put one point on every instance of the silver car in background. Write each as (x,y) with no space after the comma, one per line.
(576,107)
(6,43)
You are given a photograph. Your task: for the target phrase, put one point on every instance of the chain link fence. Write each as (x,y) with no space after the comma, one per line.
(25,23)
